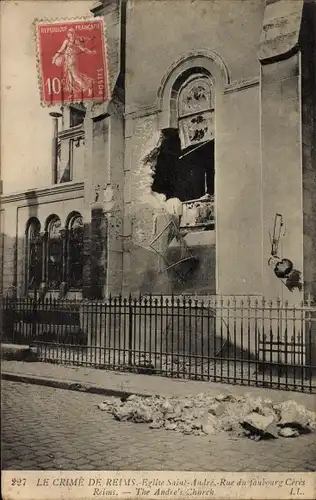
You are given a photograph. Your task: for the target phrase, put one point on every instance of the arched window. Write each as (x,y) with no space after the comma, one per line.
(195,110)
(54,254)
(77,114)
(75,252)
(195,117)
(33,254)
(185,164)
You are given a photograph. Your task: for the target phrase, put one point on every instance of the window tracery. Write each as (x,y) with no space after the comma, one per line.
(195,106)
(75,252)
(34,254)
(54,254)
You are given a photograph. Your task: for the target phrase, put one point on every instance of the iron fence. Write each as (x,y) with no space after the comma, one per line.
(238,340)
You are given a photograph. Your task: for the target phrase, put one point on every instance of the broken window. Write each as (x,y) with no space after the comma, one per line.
(185,174)
(70,145)
(77,114)
(165,159)
(184,158)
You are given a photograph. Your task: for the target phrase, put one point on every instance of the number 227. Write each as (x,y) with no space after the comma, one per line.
(18,481)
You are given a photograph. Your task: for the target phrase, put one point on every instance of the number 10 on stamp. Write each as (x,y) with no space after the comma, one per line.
(72,61)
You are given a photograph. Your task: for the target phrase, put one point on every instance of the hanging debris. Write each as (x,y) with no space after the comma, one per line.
(202,414)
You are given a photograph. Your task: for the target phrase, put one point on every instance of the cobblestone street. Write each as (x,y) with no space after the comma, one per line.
(47,428)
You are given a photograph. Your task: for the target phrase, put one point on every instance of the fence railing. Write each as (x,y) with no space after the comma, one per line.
(240,340)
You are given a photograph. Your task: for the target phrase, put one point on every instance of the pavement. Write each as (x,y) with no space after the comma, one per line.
(48,428)
(104,382)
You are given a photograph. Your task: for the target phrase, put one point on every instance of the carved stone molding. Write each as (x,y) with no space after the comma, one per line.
(39,193)
(196,129)
(209,60)
(280,30)
(195,96)
(237,86)
(72,133)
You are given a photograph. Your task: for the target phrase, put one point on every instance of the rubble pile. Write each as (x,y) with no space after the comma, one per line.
(203,414)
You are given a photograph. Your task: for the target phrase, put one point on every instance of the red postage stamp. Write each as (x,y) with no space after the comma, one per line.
(72,61)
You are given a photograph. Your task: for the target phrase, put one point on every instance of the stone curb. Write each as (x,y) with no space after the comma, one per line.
(67,385)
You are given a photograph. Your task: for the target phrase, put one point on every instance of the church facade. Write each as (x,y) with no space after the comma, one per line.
(197,177)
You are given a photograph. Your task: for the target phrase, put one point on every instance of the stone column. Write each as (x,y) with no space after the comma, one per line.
(86,275)
(104,195)
(64,286)
(281,140)
(43,286)
(98,253)
(104,174)
(308,61)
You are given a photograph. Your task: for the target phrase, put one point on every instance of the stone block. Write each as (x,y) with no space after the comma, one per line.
(280,70)
(290,88)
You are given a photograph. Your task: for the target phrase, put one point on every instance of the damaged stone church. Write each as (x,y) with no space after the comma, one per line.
(198,176)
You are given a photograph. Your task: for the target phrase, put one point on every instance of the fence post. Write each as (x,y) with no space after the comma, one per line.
(34,315)
(309,350)
(130,332)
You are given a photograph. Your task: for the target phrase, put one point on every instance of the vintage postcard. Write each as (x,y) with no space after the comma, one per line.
(158,249)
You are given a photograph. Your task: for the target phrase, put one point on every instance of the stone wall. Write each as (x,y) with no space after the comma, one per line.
(104,187)
(140,262)
(282,167)
(258,136)
(228,35)
(158,35)
(281,141)
(238,191)
(308,65)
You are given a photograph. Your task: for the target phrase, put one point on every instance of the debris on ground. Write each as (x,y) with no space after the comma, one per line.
(202,414)
(260,425)
(295,415)
(288,432)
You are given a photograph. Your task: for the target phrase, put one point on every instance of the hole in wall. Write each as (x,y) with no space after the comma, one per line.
(186,174)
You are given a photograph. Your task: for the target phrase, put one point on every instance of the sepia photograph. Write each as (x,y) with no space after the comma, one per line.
(158,249)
